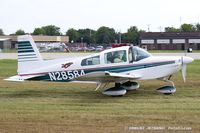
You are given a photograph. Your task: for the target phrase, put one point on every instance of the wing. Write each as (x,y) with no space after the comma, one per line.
(108,77)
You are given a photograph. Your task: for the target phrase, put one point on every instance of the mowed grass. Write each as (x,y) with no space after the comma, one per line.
(68,107)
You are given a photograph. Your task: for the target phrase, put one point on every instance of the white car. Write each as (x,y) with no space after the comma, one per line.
(99,48)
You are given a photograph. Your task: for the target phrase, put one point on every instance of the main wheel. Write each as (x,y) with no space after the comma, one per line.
(115,91)
(130,85)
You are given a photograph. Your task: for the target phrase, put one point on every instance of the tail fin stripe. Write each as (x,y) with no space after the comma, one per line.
(23,44)
(21,48)
(27,55)
(25,51)
(20,42)
(27,58)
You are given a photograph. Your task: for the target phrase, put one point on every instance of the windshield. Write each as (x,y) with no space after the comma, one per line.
(136,54)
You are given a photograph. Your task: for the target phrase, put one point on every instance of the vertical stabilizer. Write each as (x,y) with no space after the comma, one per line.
(28,54)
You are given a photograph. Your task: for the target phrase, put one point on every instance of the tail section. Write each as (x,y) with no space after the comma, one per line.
(28,55)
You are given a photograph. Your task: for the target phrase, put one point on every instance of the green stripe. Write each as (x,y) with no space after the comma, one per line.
(24,45)
(22,48)
(25,51)
(21,42)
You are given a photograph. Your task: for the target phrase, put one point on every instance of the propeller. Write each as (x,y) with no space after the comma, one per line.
(183,69)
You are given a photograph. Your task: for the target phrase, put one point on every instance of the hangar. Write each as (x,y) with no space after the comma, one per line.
(11,40)
(5,43)
(170,40)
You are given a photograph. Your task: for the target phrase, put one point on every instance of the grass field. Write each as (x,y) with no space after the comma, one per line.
(66,107)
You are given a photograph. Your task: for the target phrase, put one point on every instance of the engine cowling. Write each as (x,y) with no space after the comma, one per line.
(167,90)
(130,85)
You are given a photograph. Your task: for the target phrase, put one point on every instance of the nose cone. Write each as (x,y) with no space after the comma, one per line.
(187,59)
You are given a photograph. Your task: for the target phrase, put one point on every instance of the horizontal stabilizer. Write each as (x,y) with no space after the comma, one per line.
(15,78)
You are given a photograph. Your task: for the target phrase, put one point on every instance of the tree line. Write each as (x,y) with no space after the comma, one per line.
(103,35)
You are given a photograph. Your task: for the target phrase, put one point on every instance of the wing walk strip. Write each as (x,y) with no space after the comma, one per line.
(115,69)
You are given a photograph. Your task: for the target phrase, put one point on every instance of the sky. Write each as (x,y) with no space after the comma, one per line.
(79,14)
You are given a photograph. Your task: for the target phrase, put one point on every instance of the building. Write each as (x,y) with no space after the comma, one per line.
(5,43)
(37,39)
(169,40)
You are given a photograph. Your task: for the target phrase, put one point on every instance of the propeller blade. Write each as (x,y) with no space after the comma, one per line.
(183,70)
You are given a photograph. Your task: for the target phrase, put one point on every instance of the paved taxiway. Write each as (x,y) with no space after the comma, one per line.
(195,56)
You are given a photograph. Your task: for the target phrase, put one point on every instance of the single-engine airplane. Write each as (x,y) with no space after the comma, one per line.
(122,66)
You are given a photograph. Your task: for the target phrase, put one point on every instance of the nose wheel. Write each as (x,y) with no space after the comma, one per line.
(169,88)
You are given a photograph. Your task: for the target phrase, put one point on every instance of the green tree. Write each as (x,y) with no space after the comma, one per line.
(1,32)
(171,29)
(105,35)
(20,32)
(51,30)
(39,31)
(197,26)
(187,28)
(132,35)
(73,35)
(87,35)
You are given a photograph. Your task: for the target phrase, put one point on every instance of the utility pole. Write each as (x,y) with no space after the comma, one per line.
(160,28)
(180,23)
(148,26)
(120,37)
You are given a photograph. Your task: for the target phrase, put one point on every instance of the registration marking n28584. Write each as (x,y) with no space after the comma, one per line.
(65,75)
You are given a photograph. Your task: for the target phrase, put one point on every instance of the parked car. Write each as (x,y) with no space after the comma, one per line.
(108,47)
(81,49)
(99,48)
(91,49)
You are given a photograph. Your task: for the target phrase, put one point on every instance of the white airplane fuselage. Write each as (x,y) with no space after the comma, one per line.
(153,67)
